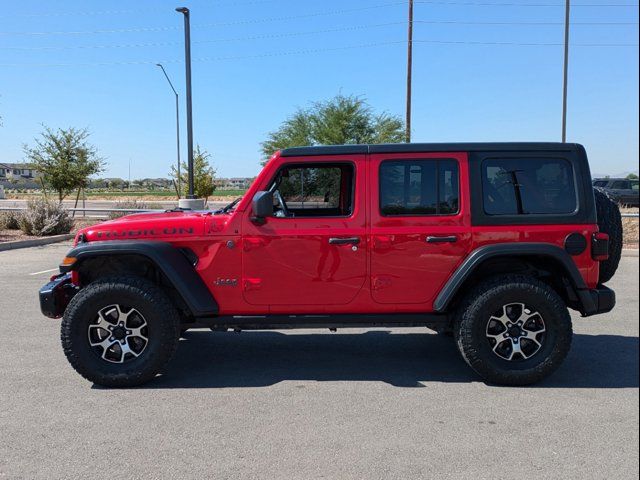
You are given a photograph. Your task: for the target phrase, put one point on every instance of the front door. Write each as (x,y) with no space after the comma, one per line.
(313,251)
(420,225)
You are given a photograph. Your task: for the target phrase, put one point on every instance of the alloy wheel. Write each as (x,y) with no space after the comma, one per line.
(119,334)
(516,332)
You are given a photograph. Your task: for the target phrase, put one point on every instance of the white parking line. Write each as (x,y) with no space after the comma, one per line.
(44,271)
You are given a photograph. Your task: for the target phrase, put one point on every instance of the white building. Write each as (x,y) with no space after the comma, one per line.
(235,183)
(16,171)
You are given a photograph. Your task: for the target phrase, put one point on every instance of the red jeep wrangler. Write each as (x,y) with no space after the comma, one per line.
(490,242)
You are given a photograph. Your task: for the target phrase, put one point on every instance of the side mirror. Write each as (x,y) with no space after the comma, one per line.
(262,206)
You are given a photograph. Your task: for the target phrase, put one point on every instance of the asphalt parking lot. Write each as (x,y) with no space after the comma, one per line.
(313,404)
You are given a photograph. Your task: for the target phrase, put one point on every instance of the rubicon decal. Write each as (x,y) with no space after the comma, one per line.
(152,232)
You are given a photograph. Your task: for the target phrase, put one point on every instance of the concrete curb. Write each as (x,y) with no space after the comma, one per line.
(629,252)
(35,242)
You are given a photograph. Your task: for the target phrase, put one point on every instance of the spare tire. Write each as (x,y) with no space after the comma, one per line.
(610,222)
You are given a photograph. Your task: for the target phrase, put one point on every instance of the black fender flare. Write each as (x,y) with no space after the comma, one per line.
(169,260)
(481,254)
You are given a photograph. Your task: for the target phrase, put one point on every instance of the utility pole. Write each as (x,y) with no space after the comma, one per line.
(177,126)
(187,62)
(409,72)
(566,69)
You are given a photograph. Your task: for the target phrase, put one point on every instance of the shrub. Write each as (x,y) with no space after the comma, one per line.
(133,205)
(45,218)
(10,220)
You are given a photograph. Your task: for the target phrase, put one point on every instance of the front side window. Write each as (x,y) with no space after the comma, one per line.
(525,186)
(600,183)
(321,190)
(419,187)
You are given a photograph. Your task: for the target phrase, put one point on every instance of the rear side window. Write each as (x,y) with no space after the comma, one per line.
(528,186)
(419,187)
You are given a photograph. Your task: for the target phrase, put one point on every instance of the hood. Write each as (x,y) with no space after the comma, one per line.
(165,226)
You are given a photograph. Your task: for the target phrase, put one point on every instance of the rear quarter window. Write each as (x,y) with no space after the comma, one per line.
(528,186)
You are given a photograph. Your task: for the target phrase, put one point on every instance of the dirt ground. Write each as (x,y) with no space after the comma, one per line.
(13,235)
(631,228)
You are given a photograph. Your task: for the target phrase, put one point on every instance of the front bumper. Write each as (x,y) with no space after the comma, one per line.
(598,300)
(56,295)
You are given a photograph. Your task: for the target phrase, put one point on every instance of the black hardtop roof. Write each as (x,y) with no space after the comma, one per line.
(428,147)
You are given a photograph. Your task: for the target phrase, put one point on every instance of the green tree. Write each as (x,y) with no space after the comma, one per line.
(340,120)
(632,176)
(203,175)
(64,158)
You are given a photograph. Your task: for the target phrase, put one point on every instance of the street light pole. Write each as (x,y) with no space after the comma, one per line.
(566,70)
(187,61)
(177,127)
(409,72)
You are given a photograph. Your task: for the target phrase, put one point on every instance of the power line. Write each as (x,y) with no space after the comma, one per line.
(121,12)
(66,14)
(320,50)
(217,40)
(298,17)
(511,4)
(257,2)
(87,32)
(526,44)
(209,25)
(311,32)
(463,22)
(208,59)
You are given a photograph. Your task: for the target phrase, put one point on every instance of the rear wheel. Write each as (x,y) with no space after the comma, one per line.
(120,331)
(609,222)
(513,330)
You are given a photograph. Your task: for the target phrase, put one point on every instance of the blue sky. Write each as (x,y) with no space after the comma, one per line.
(487,70)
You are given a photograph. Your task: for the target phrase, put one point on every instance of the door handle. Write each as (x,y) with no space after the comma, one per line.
(344,241)
(449,239)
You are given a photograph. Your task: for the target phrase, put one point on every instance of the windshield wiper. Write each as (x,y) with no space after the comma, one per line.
(228,207)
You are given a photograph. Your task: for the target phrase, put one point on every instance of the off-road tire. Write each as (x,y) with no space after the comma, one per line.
(163,326)
(609,222)
(477,307)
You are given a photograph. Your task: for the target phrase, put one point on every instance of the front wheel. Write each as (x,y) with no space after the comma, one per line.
(513,330)
(120,331)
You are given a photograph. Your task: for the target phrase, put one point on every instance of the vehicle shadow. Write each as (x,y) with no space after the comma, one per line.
(257,359)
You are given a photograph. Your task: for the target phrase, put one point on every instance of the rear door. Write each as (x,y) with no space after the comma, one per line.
(420,224)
